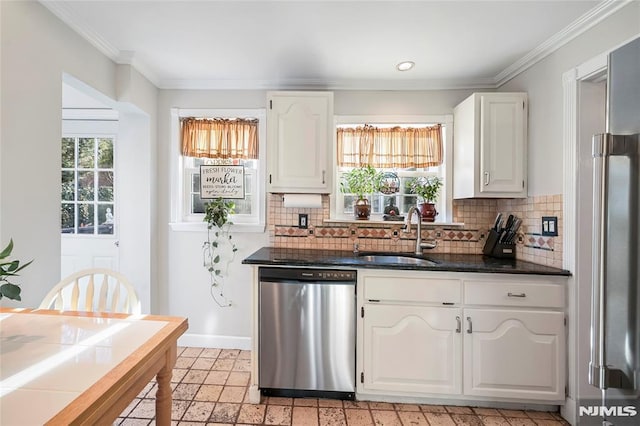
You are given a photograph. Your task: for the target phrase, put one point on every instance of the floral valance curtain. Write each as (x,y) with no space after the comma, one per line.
(400,147)
(220,137)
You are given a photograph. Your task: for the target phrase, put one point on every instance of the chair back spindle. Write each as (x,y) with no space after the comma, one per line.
(96,289)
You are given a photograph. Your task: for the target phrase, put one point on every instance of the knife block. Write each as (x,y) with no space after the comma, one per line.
(494,248)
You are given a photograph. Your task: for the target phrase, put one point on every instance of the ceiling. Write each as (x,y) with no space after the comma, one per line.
(329,44)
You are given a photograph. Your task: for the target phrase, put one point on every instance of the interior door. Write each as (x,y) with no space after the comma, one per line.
(89,212)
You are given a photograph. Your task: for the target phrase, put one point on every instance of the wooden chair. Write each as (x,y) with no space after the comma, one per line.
(93,290)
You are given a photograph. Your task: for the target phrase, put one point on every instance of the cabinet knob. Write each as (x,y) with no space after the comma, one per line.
(486,178)
(459,322)
(470,329)
(323,176)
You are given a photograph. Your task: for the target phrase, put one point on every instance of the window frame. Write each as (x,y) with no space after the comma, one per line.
(95,135)
(181,218)
(188,172)
(337,198)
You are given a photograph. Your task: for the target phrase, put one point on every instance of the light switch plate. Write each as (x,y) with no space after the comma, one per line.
(303,220)
(550,226)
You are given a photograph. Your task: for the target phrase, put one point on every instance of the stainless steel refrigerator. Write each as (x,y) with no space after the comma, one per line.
(615,312)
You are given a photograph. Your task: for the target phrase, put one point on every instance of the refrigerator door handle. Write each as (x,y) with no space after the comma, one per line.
(597,369)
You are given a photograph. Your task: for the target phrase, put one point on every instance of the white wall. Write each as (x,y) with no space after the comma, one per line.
(543,82)
(183,283)
(37,50)
(134,177)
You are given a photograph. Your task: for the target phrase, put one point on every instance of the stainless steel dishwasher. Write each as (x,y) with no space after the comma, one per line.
(307,332)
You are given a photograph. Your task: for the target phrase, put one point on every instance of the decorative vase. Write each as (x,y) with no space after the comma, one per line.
(362,209)
(428,212)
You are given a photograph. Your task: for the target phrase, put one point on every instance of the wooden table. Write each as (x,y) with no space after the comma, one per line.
(69,368)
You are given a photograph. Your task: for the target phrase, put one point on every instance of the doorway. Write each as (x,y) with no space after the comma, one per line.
(585,115)
(119,239)
(89,196)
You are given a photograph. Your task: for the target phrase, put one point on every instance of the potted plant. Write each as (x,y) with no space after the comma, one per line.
(9,268)
(428,189)
(361,181)
(219,250)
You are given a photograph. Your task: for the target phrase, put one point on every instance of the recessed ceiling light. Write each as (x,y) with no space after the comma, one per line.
(405,66)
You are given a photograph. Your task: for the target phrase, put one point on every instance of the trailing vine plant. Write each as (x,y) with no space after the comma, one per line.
(219,250)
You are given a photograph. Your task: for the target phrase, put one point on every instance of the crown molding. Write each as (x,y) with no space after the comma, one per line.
(128,57)
(338,84)
(64,13)
(594,16)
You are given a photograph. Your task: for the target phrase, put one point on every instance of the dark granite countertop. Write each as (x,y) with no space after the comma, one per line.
(443,261)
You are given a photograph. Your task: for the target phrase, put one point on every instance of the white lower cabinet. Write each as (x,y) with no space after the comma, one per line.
(412,349)
(514,354)
(489,338)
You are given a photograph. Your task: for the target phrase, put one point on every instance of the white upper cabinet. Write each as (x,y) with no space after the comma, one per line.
(490,146)
(300,140)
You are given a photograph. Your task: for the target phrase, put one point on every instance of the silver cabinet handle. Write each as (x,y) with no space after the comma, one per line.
(323,176)
(486,178)
(516,294)
(470,329)
(459,322)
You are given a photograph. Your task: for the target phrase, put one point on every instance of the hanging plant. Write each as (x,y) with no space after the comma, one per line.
(219,250)
(9,268)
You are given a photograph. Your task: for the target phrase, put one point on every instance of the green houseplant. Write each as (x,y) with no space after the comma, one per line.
(9,269)
(427,188)
(219,250)
(361,181)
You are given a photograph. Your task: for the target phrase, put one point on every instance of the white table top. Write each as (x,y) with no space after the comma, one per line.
(46,361)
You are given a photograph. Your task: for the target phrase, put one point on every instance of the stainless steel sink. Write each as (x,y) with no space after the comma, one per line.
(397,259)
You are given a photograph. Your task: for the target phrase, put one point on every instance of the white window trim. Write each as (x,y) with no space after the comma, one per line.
(446,120)
(178,214)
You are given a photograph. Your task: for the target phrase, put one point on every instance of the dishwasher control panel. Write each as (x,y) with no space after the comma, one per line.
(304,274)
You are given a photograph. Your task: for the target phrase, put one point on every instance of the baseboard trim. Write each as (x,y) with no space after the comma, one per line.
(214,341)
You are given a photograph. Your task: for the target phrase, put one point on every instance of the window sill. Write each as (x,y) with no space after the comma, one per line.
(377,221)
(202,227)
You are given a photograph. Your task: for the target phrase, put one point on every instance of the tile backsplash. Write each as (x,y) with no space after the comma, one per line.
(476,214)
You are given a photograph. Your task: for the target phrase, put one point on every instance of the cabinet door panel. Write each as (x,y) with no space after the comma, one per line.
(502,143)
(412,349)
(299,139)
(514,354)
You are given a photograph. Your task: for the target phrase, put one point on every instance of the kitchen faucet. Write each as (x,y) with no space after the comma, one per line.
(419,244)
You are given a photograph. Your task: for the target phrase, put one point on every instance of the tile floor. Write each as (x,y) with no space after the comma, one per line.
(210,387)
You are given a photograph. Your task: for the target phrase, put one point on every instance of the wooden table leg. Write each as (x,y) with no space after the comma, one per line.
(163,394)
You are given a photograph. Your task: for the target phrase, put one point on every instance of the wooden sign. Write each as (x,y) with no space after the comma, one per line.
(221,181)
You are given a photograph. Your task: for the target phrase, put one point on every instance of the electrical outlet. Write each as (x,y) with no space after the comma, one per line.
(303,221)
(550,226)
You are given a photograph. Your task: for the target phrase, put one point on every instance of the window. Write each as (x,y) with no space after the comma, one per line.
(87,185)
(248,211)
(404,199)
(245,210)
